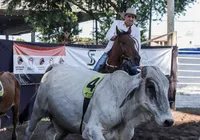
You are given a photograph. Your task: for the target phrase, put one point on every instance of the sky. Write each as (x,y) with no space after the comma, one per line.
(187,27)
(190,15)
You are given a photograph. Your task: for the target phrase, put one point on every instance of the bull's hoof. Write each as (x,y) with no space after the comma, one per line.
(4,115)
(14,137)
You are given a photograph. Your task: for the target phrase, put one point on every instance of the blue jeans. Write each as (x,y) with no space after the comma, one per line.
(101,61)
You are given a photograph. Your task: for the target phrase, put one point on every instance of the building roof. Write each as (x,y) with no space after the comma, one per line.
(14,24)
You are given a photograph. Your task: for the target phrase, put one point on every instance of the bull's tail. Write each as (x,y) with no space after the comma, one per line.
(39,110)
(50,67)
(24,116)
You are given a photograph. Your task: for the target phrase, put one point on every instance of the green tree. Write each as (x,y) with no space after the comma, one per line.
(51,16)
(111,9)
(20,39)
(54,19)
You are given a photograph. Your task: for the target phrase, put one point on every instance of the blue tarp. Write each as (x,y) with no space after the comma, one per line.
(189,51)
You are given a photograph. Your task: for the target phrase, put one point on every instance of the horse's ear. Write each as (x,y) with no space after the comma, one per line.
(117,31)
(129,30)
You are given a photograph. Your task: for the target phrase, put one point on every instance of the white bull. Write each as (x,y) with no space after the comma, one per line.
(120,102)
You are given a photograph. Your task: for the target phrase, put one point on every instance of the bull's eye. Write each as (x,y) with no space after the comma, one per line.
(151,91)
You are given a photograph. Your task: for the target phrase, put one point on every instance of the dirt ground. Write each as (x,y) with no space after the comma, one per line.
(186,127)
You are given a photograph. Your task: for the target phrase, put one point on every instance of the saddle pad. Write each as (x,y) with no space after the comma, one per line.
(91,85)
(1,89)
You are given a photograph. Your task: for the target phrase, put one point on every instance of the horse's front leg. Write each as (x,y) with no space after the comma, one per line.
(15,121)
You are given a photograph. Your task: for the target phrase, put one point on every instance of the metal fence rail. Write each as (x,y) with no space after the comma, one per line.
(188,76)
(188,67)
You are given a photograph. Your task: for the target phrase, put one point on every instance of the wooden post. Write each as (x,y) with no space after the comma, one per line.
(150,21)
(32,36)
(171,41)
(170,20)
(7,37)
(173,78)
(96,31)
(173,74)
(174,38)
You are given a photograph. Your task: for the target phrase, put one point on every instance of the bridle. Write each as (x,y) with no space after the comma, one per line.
(111,66)
(123,56)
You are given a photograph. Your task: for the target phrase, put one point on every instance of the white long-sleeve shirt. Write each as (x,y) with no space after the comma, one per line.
(135,32)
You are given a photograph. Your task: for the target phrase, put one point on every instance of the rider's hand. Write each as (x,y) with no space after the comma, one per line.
(113,38)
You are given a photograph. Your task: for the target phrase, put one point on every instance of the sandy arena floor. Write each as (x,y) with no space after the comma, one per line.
(186,127)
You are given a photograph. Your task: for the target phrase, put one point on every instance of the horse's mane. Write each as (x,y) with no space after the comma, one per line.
(122,32)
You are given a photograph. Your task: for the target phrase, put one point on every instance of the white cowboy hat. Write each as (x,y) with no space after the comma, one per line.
(131,11)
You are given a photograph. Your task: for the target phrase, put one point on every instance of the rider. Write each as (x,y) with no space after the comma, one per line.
(129,18)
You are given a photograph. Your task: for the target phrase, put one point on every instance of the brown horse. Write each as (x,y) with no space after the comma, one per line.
(124,50)
(10,98)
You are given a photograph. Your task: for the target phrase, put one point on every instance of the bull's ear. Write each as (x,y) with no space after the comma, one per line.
(1,73)
(169,77)
(144,72)
(136,84)
(127,98)
(117,31)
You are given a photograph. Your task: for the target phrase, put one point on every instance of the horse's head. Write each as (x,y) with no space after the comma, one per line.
(125,49)
(129,47)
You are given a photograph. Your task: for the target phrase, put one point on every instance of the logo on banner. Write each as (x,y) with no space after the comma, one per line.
(30,62)
(51,61)
(145,60)
(35,59)
(19,60)
(91,53)
(61,61)
(42,61)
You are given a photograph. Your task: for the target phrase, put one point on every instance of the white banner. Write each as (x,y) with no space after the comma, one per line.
(160,57)
(35,60)
(85,57)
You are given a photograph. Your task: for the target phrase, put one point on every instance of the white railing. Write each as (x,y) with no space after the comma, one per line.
(172,39)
